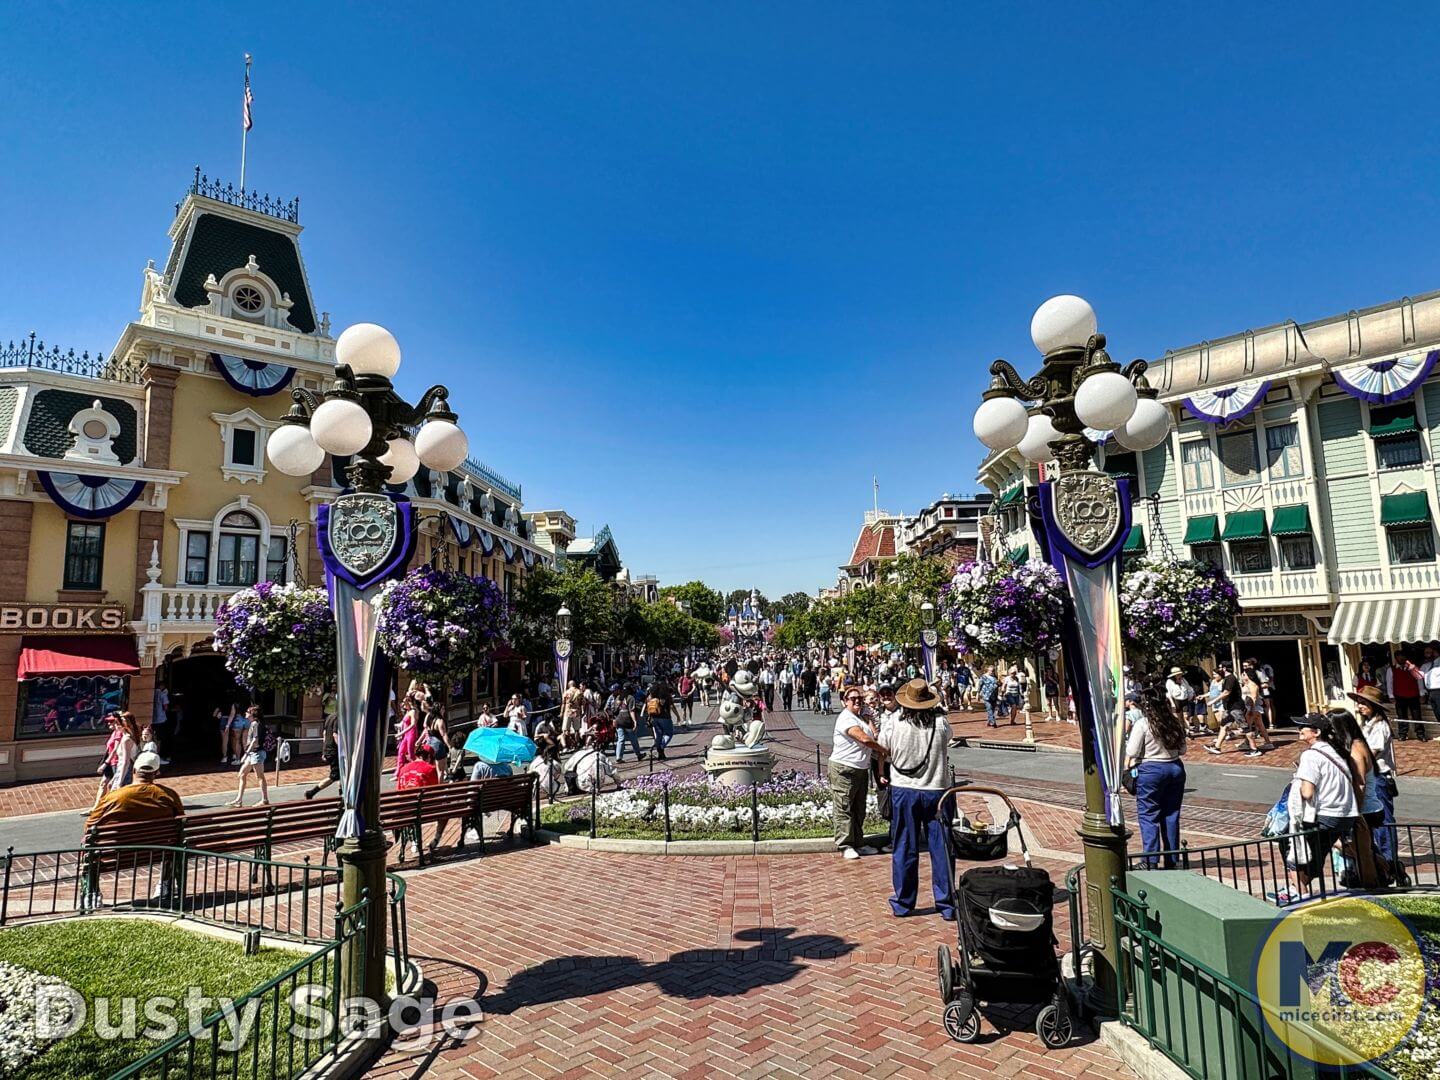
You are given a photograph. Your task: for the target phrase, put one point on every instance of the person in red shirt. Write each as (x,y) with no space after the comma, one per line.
(1405,682)
(419,772)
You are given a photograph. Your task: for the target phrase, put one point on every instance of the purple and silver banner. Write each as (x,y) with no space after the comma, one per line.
(1094,648)
(562,667)
(363,673)
(928,640)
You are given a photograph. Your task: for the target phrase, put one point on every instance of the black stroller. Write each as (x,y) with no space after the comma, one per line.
(1006,936)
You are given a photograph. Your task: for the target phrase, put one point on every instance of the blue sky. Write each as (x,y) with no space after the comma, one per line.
(700,271)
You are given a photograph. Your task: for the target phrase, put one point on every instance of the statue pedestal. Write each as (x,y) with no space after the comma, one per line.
(741,766)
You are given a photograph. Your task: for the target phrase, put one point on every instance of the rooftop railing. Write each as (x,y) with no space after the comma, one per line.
(31,352)
(230,195)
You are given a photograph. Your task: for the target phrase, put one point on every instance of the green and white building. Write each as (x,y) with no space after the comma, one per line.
(1303,461)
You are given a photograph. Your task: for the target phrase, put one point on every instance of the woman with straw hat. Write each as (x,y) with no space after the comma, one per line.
(916,740)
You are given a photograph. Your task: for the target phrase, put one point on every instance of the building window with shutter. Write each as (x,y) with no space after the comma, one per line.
(84,554)
(1238,464)
(1282,451)
(1198,464)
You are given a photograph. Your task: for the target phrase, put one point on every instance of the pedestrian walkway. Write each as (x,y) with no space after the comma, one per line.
(600,964)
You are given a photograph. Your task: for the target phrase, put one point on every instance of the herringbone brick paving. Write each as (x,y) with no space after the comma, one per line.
(600,964)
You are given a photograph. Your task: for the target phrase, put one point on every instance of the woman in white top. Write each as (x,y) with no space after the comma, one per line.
(516,718)
(916,742)
(1154,749)
(1375,726)
(1322,797)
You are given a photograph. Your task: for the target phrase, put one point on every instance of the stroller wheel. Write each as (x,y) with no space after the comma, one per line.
(962,1021)
(946,968)
(1054,1026)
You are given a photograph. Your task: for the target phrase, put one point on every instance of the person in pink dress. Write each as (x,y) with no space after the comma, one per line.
(407,734)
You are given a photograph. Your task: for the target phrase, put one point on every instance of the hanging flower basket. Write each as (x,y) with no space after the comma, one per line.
(1004,612)
(277,637)
(439,624)
(1177,611)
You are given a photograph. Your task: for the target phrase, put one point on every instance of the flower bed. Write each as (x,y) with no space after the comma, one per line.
(19,991)
(1418,1055)
(791,806)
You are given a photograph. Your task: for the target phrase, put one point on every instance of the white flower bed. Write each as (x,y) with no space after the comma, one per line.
(19,988)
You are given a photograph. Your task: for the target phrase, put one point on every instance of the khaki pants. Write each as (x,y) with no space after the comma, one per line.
(848,788)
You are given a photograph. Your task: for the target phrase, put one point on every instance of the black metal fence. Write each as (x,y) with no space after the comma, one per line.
(299,1015)
(31,352)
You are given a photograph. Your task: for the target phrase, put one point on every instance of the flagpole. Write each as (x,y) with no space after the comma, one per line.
(244,124)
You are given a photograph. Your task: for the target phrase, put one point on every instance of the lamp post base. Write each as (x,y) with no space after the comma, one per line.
(1104,846)
(362,863)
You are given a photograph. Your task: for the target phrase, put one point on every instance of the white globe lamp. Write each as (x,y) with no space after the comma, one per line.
(1000,422)
(341,426)
(1062,322)
(404,462)
(1039,434)
(1147,428)
(1105,400)
(293,450)
(368,349)
(442,446)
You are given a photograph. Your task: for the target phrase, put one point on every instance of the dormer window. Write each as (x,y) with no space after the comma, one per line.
(242,437)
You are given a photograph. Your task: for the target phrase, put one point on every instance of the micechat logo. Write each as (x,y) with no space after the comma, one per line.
(1341,981)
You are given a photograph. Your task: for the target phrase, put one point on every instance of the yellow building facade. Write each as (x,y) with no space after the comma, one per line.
(135,496)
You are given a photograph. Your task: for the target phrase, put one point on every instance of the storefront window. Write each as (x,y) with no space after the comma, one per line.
(69,704)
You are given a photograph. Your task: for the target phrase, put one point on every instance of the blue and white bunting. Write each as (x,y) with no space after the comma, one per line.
(1229,404)
(254,377)
(92,497)
(1395,378)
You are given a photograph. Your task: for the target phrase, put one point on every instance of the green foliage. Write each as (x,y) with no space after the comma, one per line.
(791,605)
(595,614)
(706,604)
(888,611)
(115,958)
(662,625)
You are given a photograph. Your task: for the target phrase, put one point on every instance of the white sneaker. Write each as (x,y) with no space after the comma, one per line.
(868,850)
(849,853)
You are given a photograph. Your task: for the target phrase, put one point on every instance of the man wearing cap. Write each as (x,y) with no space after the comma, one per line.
(144,800)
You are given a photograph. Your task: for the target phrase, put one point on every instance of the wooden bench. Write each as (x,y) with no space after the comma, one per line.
(256,830)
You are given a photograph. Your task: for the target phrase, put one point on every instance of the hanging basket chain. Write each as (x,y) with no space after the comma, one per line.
(292,553)
(1158,530)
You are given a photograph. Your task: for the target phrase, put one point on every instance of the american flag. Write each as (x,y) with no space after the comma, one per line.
(249,99)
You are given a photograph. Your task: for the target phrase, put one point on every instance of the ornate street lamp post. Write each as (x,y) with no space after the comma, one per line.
(929,638)
(563,648)
(1079,398)
(689,636)
(366,537)
(850,647)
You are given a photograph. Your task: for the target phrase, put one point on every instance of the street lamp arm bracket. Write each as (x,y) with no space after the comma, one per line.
(1006,377)
(435,404)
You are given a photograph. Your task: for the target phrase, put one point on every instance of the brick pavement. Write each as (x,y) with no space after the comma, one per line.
(603,964)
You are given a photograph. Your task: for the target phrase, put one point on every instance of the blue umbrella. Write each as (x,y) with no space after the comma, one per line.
(500,746)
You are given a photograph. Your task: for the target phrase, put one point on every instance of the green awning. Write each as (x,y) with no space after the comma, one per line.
(1291,520)
(1244,525)
(1135,540)
(1204,529)
(1014,495)
(1409,508)
(1394,424)
(1020,555)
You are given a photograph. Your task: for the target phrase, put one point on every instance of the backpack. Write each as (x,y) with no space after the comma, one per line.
(653,706)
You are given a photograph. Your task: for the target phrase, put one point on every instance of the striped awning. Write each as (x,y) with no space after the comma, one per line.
(1369,622)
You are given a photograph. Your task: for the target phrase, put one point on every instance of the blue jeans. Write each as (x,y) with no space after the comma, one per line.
(664,730)
(1384,836)
(824,700)
(915,819)
(990,713)
(1159,789)
(623,736)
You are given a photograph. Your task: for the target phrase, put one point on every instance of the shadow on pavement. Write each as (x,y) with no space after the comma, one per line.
(693,974)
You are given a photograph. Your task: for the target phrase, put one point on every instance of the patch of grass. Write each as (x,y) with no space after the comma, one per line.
(106,960)
(557,819)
